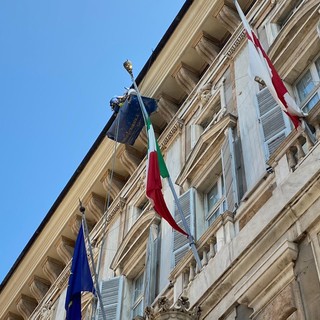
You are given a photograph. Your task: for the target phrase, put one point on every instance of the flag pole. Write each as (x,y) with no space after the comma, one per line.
(128,66)
(86,233)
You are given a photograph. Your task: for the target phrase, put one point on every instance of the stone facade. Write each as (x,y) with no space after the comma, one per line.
(249,185)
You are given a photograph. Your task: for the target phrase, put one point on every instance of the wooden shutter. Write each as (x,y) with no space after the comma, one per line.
(180,241)
(272,121)
(150,274)
(111,292)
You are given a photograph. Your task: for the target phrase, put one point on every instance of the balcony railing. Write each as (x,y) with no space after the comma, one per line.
(218,234)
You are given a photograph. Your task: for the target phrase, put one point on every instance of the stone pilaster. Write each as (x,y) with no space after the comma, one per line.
(65,249)
(26,305)
(39,287)
(112,183)
(229,18)
(186,77)
(52,268)
(206,47)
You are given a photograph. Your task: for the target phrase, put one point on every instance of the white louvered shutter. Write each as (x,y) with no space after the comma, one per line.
(150,274)
(228,169)
(272,121)
(111,292)
(180,241)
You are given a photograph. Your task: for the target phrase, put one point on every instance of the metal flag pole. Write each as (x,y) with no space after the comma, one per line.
(128,66)
(86,233)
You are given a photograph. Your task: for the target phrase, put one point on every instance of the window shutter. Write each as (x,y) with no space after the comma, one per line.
(228,169)
(150,274)
(272,121)
(111,292)
(180,241)
(240,173)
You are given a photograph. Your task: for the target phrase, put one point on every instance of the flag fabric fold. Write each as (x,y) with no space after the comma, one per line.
(130,120)
(156,168)
(80,279)
(262,67)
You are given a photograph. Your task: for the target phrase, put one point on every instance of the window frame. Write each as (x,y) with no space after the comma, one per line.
(136,301)
(315,76)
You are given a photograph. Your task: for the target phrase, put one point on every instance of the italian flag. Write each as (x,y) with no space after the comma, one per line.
(156,167)
(262,67)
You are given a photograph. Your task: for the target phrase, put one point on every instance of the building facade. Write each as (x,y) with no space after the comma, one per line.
(247,181)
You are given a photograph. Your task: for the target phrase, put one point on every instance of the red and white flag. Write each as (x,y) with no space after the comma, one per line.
(262,67)
(156,168)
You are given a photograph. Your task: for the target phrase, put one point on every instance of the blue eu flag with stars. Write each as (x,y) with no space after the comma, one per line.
(80,279)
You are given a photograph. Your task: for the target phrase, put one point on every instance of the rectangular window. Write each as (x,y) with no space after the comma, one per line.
(137,304)
(308,86)
(215,200)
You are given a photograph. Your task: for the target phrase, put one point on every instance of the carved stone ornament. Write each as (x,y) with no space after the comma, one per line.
(205,93)
(179,311)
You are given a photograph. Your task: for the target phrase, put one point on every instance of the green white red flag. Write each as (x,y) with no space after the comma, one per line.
(262,67)
(156,168)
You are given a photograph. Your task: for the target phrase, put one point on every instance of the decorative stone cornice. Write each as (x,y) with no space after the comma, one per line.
(186,77)
(65,248)
(206,47)
(130,158)
(116,208)
(179,311)
(39,287)
(235,45)
(175,129)
(229,18)
(12,316)
(112,183)
(26,305)
(95,205)
(143,139)
(75,224)
(167,107)
(52,268)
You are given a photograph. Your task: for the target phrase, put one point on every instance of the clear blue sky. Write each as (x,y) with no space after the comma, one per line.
(60,63)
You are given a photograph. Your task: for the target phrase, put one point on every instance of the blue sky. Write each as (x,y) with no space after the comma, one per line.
(60,63)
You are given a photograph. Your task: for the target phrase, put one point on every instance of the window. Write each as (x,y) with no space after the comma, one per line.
(215,200)
(308,87)
(137,303)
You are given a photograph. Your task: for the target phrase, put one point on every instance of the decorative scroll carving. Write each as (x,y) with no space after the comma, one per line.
(236,44)
(26,305)
(163,310)
(112,183)
(130,158)
(186,77)
(52,268)
(46,311)
(96,205)
(65,249)
(39,287)
(229,18)
(167,107)
(206,48)
(171,134)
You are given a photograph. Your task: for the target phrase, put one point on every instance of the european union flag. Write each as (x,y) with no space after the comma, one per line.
(130,120)
(80,279)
